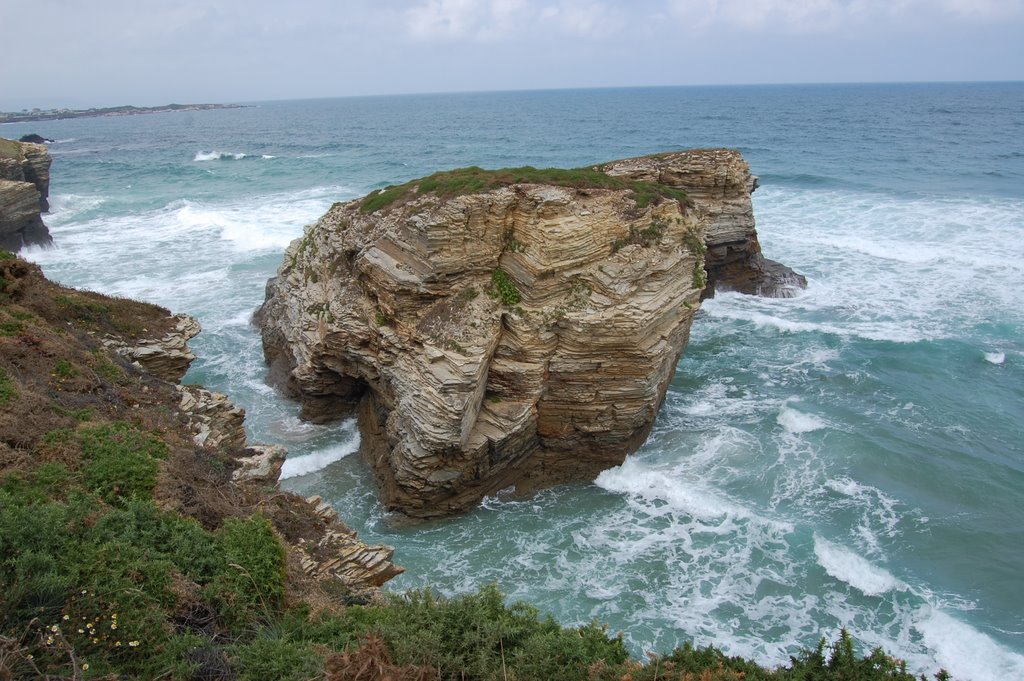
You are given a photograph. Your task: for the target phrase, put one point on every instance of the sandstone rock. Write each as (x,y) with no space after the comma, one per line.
(339,555)
(213,418)
(720,184)
(24,188)
(167,356)
(262,464)
(520,335)
(36,167)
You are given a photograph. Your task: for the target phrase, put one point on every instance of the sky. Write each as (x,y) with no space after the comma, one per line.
(83,53)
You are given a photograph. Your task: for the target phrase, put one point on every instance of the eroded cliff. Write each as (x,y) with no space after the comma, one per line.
(497,328)
(24,194)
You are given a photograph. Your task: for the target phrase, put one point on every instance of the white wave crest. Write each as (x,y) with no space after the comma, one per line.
(848,567)
(797,421)
(965,652)
(995,357)
(637,480)
(217,156)
(318,460)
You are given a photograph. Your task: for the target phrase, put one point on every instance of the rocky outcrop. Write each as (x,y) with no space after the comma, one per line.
(720,184)
(165,355)
(521,333)
(24,192)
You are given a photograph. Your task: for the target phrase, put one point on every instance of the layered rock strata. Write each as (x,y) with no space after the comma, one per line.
(521,334)
(24,192)
(719,183)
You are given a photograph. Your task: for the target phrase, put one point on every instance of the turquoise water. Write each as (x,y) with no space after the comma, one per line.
(850,457)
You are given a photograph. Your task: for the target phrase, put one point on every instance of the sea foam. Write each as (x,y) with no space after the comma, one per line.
(318,459)
(848,567)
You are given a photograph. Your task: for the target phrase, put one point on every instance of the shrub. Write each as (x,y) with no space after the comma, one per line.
(478,636)
(8,392)
(121,461)
(249,585)
(275,658)
(503,288)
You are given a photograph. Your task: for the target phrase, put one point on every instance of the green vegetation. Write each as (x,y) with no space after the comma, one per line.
(10,149)
(503,288)
(474,180)
(120,462)
(8,392)
(646,237)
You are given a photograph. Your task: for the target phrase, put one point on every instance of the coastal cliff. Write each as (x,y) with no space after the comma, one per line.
(24,194)
(516,327)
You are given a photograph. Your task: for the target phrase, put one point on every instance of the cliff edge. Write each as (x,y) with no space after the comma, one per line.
(78,368)
(24,194)
(515,327)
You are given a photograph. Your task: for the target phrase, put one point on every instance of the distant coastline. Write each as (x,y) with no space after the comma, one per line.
(26,116)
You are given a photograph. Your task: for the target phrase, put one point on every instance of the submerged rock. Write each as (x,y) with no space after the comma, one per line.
(517,327)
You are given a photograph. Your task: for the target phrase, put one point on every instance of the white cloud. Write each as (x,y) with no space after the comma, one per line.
(582,18)
(488,20)
(821,16)
(984,10)
(462,19)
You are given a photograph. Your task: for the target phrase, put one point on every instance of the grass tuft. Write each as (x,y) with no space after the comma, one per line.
(474,180)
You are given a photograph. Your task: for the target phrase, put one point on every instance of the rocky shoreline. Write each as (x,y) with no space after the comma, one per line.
(509,328)
(61,114)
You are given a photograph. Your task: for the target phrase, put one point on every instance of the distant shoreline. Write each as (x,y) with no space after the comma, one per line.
(60,114)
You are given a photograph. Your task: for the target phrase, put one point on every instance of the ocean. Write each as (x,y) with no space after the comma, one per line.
(852,457)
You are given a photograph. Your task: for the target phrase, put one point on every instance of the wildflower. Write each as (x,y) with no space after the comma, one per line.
(54,628)
(113,625)
(81,631)
(66,617)
(133,644)
(85,666)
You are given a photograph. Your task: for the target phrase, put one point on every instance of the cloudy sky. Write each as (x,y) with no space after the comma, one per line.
(82,53)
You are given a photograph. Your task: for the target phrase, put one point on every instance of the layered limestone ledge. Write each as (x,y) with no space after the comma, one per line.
(24,192)
(719,183)
(524,334)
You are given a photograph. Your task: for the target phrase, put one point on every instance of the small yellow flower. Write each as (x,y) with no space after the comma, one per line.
(113,625)
(81,631)
(133,644)
(85,666)
(54,628)
(66,617)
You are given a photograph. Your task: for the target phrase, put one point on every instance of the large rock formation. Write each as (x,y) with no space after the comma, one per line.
(507,327)
(24,193)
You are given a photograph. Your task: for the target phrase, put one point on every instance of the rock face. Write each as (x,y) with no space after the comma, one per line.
(24,192)
(720,184)
(520,335)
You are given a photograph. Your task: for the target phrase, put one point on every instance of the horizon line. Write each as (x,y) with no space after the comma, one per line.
(540,89)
